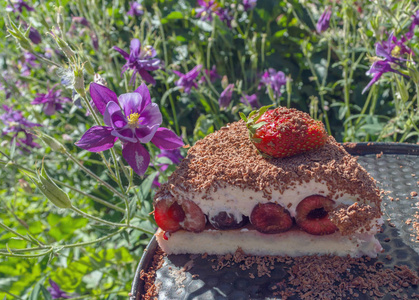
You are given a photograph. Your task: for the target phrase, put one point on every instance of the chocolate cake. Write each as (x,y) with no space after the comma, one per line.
(226,196)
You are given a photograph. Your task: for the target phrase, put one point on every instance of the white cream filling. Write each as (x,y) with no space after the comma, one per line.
(237,201)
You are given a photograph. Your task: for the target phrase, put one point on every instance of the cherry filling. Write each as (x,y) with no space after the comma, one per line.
(312,215)
(171,216)
(225,221)
(270,218)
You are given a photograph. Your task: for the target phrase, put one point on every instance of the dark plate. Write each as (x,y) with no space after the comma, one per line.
(393,165)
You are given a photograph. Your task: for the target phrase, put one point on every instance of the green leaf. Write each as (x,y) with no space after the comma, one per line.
(13,148)
(45,293)
(243,117)
(35,292)
(174,15)
(145,186)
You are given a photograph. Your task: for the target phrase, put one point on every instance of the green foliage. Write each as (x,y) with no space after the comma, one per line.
(91,240)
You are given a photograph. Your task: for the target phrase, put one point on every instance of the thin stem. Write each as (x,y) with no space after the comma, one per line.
(111,188)
(46,60)
(86,215)
(10,294)
(5,227)
(94,198)
(95,241)
(27,255)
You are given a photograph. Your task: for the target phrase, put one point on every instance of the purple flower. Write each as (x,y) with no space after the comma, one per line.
(206,9)
(18,6)
(56,292)
(187,81)
(140,60)
(174,155)
(324,21)
(225,97)
(51,101)
(212,75)
(81,21)
(251,100)
(34,36)
(377,69)
(134,120)
(225,16)
(136,9)
(15,122)
(274,79)
(412,27)
(392,49)
(249,4)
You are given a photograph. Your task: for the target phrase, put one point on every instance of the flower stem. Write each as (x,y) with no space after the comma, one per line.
(28,255)
(5,227)
(86,215)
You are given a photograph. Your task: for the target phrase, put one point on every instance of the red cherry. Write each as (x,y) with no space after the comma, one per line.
(270,218)
(312,215)
(168,215)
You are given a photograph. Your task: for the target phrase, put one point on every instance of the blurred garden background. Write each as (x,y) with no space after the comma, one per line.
(100,100)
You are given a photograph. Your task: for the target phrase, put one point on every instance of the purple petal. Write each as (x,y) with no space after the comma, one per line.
(125,135)
(124,54)
(49,108)
(97,139)
(145,93)
(118,120)
(136,156)
(135,47)
(166,139)
(151,115)
(101,96)
(145,133)
(178,73)
(147,77)
(111,108)
(131,103)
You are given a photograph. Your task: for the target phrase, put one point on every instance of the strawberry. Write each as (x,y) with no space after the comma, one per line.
(270,218)
(312,215)
(284,132)
(170,216)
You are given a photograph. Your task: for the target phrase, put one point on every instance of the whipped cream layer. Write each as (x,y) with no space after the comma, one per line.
(237,201)
(291,243)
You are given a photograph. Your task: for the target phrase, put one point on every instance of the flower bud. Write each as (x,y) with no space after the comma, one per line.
(50,190)
(79,82)
(34,36)
(51,142)
(20,37)
(89,68)
(65,48)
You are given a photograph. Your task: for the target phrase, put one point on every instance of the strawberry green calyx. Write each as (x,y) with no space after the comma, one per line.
(251,120)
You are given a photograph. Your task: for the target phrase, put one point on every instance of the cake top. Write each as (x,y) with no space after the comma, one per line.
(228,157)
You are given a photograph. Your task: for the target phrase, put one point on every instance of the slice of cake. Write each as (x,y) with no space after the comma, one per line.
(273,184)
